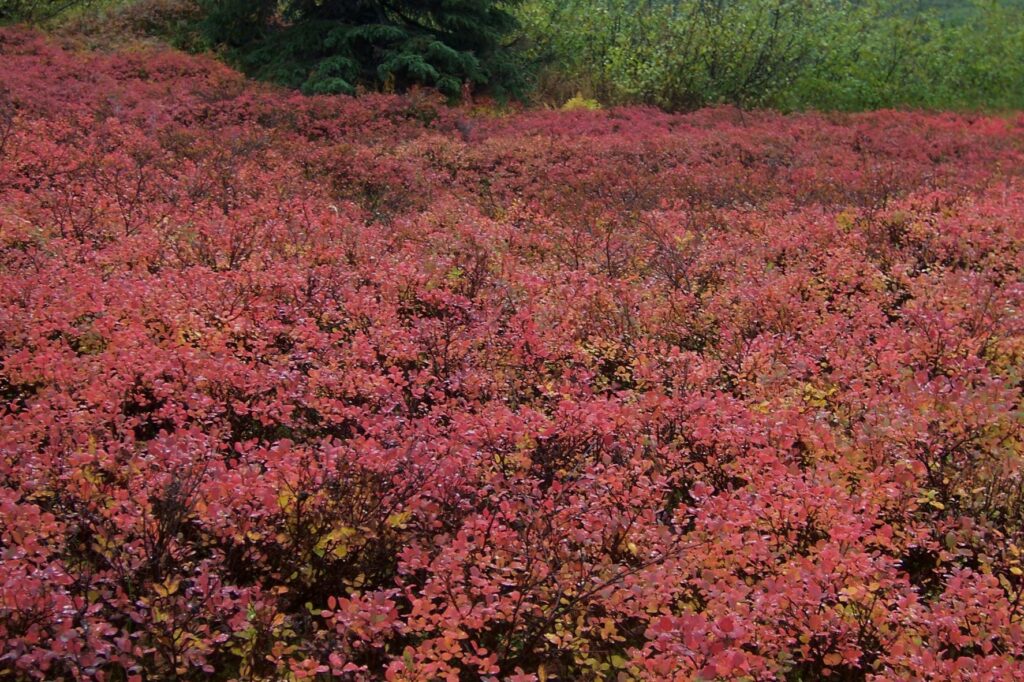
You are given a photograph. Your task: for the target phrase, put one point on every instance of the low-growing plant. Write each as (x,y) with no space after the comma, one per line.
(370,388)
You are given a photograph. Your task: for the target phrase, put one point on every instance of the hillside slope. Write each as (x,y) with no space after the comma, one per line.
(307,387)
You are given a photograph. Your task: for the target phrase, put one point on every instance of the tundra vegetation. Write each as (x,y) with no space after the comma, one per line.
(310,386)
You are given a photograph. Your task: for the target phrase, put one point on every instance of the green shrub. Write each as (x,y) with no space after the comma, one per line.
(37,11)
(916,59)
(110,24)
(678,55)
(790,54)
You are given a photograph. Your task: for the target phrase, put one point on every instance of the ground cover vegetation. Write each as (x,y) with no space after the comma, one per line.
(319,387)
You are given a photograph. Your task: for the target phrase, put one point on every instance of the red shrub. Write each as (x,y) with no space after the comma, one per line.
(311,387)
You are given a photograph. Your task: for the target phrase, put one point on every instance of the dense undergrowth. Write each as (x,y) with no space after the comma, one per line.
(372,388)
(679,55)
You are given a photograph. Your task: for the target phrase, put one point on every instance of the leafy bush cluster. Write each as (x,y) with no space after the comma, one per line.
(327,388)
(123,23)
(37,10)
(793,54)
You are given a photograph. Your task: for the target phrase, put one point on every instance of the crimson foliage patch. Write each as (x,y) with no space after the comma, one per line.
(371,388)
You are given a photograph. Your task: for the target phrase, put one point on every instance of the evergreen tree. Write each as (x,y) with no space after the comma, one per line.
(330,46)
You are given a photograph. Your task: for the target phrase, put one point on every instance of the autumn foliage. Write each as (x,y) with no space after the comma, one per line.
(317,387)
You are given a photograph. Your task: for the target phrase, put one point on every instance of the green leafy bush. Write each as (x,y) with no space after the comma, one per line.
(790,54)
(107,25)
(891,56)
(36,11)
(678,55)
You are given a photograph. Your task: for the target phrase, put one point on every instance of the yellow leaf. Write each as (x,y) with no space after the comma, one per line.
(1016,570)
(399,519)
(167,588)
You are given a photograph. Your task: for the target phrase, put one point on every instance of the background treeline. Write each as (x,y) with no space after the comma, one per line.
(676,54)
